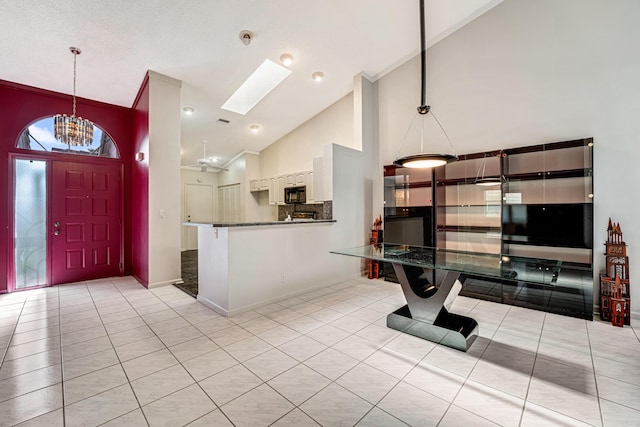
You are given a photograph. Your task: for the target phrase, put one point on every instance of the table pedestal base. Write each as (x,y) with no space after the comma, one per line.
(448,329)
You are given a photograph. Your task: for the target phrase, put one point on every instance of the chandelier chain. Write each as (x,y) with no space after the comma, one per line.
(75,56)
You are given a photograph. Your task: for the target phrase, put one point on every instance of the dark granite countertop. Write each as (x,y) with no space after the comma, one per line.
(258,224)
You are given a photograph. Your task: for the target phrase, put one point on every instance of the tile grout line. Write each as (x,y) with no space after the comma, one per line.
(595,377)
(179,363)
(533,368)
(466,379)
(41,388)
(298,362)
(15,325)
(331,382)
(64,414)
(180,314)
(119,361)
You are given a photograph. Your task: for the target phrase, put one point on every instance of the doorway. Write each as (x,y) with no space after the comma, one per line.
(198,208)
(67,221)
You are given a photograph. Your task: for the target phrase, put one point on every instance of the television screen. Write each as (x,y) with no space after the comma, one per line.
(566,225)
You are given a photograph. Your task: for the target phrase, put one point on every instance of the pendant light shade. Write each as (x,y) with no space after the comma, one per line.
(423,159)
(486,181)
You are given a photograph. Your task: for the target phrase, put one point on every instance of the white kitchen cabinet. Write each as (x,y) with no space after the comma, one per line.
(280,190)
(308,182)
(289,180)
(273,190)
(254,185)
(300,179)
(318,179)
(264,184)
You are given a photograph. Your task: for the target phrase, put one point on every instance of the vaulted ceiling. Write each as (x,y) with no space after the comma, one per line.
(197,42)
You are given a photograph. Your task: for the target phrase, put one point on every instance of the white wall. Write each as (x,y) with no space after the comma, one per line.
(251,203)
(365,134)
(532,72)
(164,180)
(350,196)
(295,151)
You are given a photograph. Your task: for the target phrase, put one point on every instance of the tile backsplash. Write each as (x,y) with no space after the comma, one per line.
(322,210)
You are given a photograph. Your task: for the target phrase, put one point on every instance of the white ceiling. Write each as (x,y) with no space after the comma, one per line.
(197,42)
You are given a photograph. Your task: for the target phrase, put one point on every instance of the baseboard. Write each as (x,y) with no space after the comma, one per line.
(213,306)
(163,283)
(230,313)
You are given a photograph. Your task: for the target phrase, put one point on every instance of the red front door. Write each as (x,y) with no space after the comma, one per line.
(85,221)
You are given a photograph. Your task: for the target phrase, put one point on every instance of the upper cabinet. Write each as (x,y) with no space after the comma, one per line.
(281,183)
(273,188)
(308,181)
(312,180)
(258,184)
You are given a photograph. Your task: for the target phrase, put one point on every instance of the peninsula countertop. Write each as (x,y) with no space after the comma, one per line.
(259,224)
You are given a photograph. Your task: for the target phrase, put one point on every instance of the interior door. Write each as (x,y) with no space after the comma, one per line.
(229,202)
(198,208)
(85,221)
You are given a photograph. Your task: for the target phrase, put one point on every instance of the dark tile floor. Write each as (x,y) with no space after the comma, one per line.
(189,273)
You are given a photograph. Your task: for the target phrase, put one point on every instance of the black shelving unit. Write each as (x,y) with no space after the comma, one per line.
(542,207)
(547,211)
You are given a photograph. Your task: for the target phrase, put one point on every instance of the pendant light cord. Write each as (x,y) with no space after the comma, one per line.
(423,108)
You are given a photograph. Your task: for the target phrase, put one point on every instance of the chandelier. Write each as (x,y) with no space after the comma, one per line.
(73,130)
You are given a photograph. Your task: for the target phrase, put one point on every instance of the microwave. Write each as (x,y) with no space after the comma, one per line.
(295,194)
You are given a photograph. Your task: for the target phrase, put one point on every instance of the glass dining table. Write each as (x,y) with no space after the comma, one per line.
(431,278)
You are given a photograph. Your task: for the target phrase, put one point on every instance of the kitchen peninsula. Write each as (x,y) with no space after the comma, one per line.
(245,265)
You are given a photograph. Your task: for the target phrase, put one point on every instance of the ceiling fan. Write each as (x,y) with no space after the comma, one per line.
(206,163)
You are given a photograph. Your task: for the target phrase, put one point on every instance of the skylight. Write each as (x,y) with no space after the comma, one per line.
(263,80)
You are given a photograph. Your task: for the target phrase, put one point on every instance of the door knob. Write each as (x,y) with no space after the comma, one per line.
(56,232)
(56,224)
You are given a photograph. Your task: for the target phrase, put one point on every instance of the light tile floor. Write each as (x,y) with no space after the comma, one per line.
(110,352)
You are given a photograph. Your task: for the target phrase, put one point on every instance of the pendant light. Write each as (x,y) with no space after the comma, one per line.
(483,180)
(73,130)
(425,160)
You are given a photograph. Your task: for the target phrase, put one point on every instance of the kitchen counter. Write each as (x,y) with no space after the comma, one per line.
(257,224)
(245,265)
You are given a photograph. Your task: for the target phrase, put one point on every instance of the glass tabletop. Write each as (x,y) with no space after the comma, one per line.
(496,266)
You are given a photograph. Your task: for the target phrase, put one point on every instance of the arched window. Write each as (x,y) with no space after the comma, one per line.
(39,136)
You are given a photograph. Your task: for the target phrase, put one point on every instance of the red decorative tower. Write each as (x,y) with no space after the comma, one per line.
(614,284)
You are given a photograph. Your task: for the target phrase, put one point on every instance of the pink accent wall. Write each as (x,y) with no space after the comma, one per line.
(140,187)
(22,105)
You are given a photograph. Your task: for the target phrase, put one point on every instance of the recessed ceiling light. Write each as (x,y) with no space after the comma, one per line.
(254,128)
(286,59)
(317,76)
(188,110)
(263,80)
